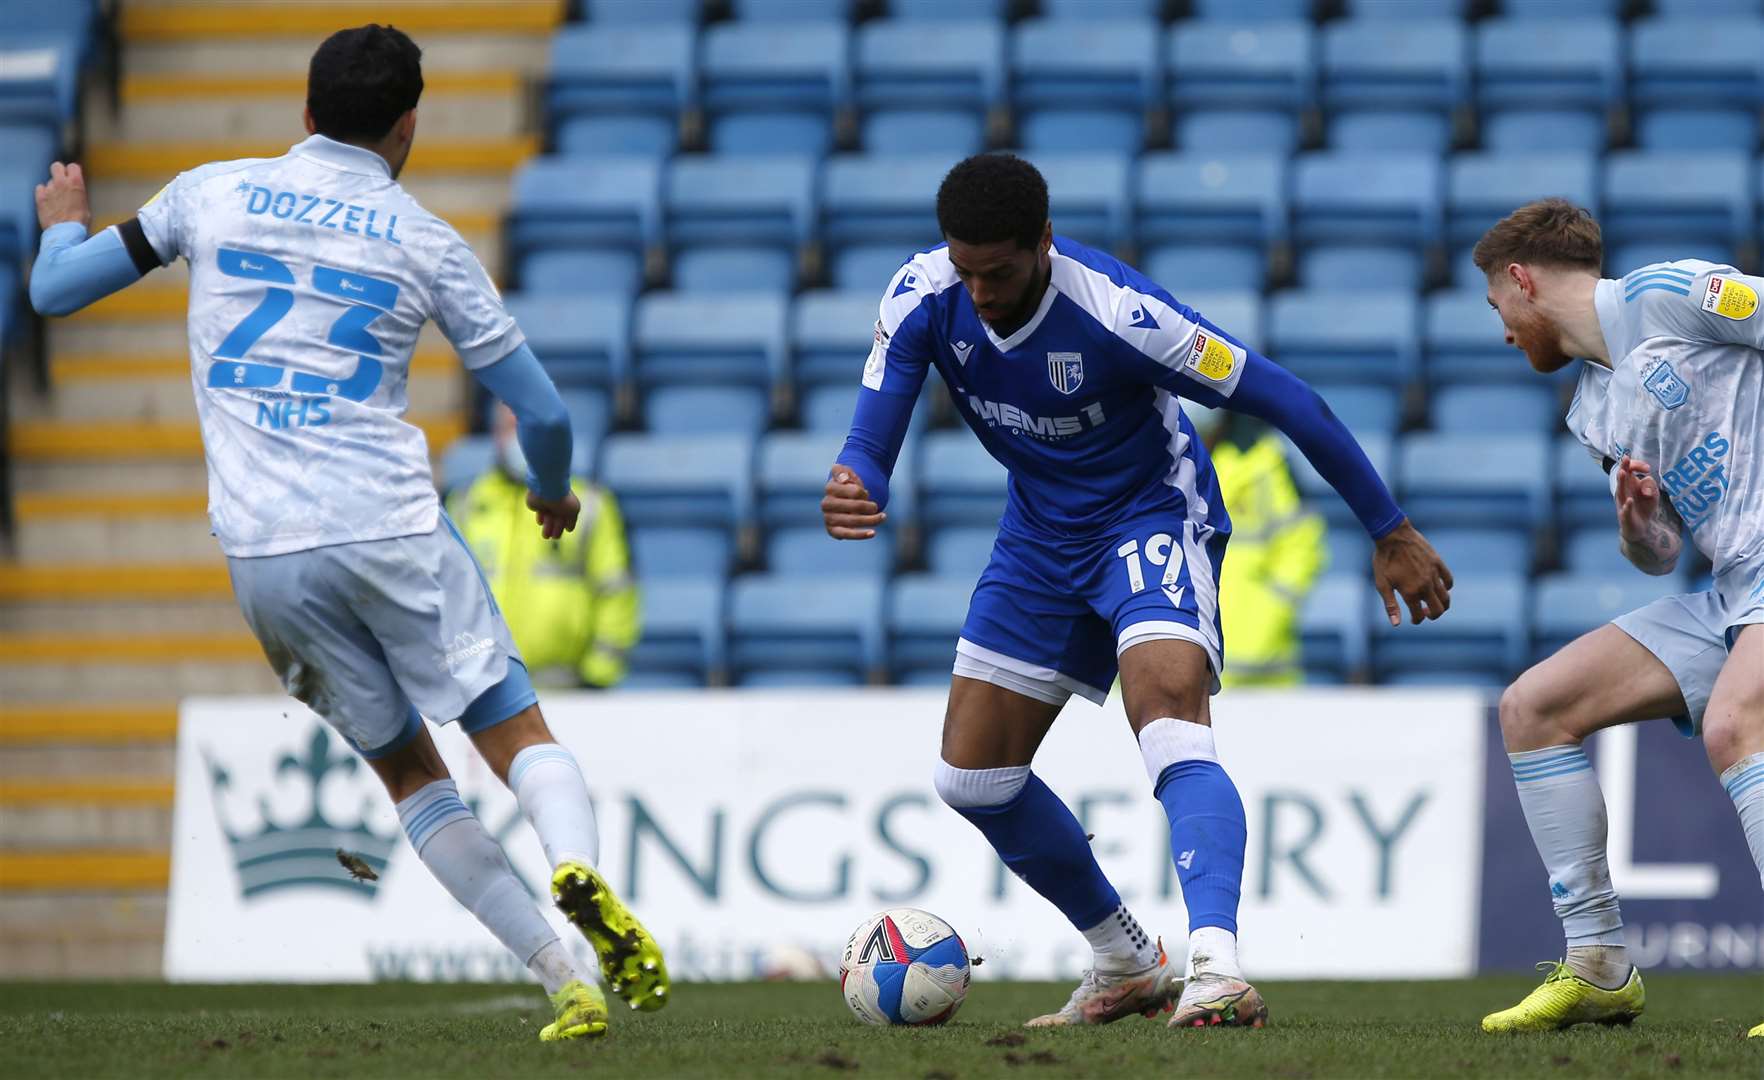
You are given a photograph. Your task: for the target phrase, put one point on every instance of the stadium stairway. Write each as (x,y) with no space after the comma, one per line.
(114,601)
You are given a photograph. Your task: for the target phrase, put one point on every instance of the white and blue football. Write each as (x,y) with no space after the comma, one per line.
(904,966)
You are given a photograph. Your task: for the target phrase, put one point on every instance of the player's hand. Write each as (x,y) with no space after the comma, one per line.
(846,507)
(1405,564)
(63,198)
(555,517)
(1638,498)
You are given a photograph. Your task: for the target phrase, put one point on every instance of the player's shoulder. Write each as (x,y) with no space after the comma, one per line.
(1674,297)
(215,175)
(1110,291)
(923,278)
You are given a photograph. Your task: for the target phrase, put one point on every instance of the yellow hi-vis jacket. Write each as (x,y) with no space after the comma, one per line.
(571,603)
(1276,552)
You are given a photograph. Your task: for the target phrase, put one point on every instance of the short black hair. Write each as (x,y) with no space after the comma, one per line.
(993,197)
(361,81)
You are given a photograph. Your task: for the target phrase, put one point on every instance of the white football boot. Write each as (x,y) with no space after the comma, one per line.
(1211,1000)
(1105,996)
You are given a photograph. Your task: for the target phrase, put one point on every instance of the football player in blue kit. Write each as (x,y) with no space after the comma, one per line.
(1068,365)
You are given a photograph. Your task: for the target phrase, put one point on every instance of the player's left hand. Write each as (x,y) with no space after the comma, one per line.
(1405,564)
(63,198)
(555,517)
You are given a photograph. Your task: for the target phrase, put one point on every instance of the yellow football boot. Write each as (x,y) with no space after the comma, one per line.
(1566,999)
(630,960)
(581,1013)
(1756,1033)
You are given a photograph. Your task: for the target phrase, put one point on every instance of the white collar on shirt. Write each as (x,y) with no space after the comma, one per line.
(342,156)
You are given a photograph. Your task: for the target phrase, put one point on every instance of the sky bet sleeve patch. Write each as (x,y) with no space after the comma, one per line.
(1729,298)
(1213,359)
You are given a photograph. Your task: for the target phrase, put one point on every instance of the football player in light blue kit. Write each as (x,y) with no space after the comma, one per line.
(1670,403)
(311,275)
(1068,366)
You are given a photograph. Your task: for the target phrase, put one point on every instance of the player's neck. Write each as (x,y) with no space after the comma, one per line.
(1577,313)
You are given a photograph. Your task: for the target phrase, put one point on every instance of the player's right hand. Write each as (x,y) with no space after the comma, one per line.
(1638,498)
(63,198)
(846,507)
(555,516)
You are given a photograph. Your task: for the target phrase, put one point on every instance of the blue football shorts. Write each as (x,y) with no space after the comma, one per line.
(1051,616)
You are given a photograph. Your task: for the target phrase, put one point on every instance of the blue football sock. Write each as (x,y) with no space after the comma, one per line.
(1038,838)
(1207,836)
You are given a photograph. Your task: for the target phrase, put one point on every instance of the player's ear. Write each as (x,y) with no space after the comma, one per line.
(1046,234)
(407,126)
(311,128)
(1522,280)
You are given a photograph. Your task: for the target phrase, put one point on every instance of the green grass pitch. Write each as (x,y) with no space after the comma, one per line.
(1694,1027)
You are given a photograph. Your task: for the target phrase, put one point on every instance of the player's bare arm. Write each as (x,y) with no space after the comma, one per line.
(846,507)
(1646,524)
(63,198)
(1404,564)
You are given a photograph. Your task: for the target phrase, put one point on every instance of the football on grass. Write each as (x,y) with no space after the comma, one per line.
(904,966)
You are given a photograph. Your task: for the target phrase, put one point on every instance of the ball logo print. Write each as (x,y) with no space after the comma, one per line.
(904,966)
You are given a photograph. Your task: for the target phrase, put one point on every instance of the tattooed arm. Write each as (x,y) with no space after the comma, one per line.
(1646,523)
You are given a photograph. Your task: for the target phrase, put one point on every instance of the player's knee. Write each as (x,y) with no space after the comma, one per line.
(1530,720)
(1727,736)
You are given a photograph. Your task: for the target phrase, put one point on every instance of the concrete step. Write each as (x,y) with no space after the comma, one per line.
(38,440)
(100,539)
(495,48)
(184,21)
(138,476)
(62,774)
(108,935)
(38,826)
(84,870)
(101,614)
(105,679)
(59,726)
(61,582)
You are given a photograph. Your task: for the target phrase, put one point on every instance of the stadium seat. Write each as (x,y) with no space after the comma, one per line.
(1237,312)
(1515,407)
(1419,63)
(831,335)
(791,10)
(680,551)
(582,339)
(1680,198)
(1362,267)
(1322,499)
(1463,341)
(1378,131)
(1545,131)
(1241,65)
(928,86)
(1235,131)
(773,132)
(1254,9)
(959,482)
(41,84)
(1550,9)
(721,269)
(774,87)
(877,200)
(620,71)
(1484,637)
(683,638)
(465,459)
(730,338)
(698,481)
(1624,259)
(1697,82)
(1337,335)
(590,419)
(923,131)
(751,200)
(1407,9)
(1366,409)
(1697,129)
(649,12)
(601,202)
(869,267)
(1565,606)
(1332,629)
(1441,485)
(30,146)
(1087,197)
(582,271)
(1103,9)
(829,408)
(1475,551)
(1349,545)
(809,550)
(1200,198)
(924,619)
(1481,189)
(1583,489)
(1205,267)
(1595,551)
(1689,8)
(960,551)
(949,10)
(1347,198)
(1085,84)
(1567,66)
(793,629)
(791,475)
(707,410)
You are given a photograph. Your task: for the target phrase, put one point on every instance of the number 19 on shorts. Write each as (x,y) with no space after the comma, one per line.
(1161,549)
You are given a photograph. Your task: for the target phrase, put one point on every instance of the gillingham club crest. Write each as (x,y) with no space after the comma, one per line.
(1065,370)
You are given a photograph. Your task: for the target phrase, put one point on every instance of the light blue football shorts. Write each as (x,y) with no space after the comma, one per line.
(1691,633)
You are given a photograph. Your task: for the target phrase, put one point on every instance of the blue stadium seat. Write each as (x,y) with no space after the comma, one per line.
(1332,628)
(603,202)
(1377,131)
(583,271)
(1483,638)
(1198,198)
(1254,9)
(1515,407)
(807,549)
(1545,131)
(882,200)
(1552,9)
(1583,489)
(1408,9)
(683,637)
(1346,336)
(791,474)
(41,84)
(1085,84)
(1462,341)
(829,409)
(465,459)
(960,551)
(1235,131)
(632,136)
(1709,7)
(959,482)
(923,131)
(730,338)
(1322,499)
(924,618)
(621,70)
(948,10)
(928,86)
(869,267)
(794,630)
(31,146)
(1337,266)
(1565,606)
(1680,198)
(1697,129)
(792,10)
(1350,547)
(1238,312)
(1623,259)
(1103,9)
(1697,82)
(649,12)
(681,551)
(758,200)
(1205,267)
(774,87)
(1241,65)
(1441,485)
(1087,196)
(1366,409)
(590,419)
(699,481)
(719,269)
(1347,198)
(831,334)
(1595,550)
(1476,551)
(582,339)
(1417,63)
(1481,189)
(1568,65)
(806,133)
(707,410)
